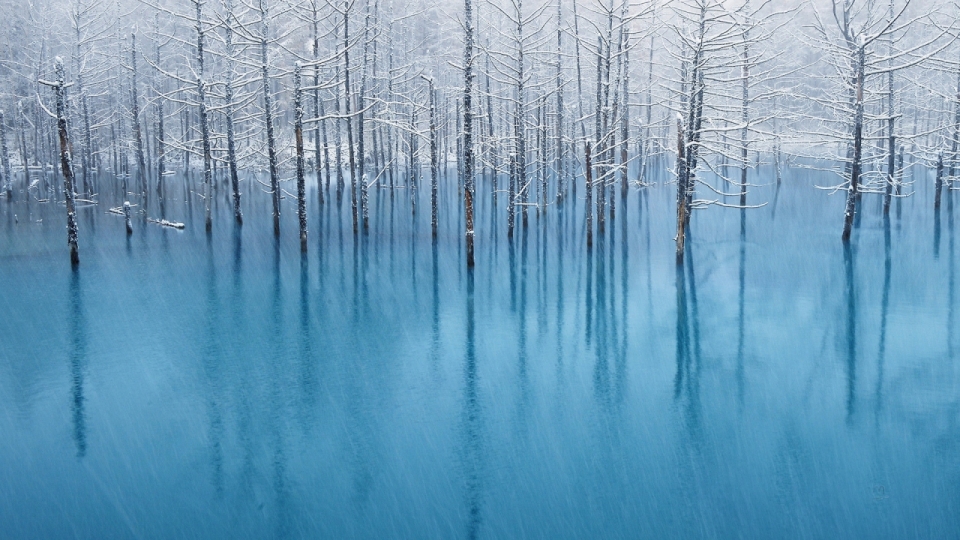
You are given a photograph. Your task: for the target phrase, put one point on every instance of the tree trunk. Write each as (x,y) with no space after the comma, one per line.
(938,187)
(559,158)
(135,113)
(317,111)
(361,153)
(681,191)
(268,119)
(338,132)
(853,191)
(468,128)
(228,106)
(161,157)
(625,117)
(204,122)
(66,164)
(298,133)
(7,180)
(433,160)
(351,153)
(745,118)
(588,206)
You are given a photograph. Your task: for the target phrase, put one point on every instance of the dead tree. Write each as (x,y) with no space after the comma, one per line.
(298,133)
(851,49)
(318,105)
(264,38)
(135,118)
(468,127)
(161,148)
(560,162)
(7,181)
(229,110)
(434,166)
(855,164)
(938,186)
(351,152)
(588,205)
(66,159)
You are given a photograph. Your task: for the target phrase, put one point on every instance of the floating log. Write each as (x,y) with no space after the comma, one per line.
(165,223)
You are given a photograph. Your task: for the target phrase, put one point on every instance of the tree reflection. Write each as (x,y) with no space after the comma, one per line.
(884,308)
(688,355)
(472,423)
(851,329)
(742,276)
(78,357)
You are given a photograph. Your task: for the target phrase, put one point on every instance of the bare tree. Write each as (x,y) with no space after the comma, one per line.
(66,159)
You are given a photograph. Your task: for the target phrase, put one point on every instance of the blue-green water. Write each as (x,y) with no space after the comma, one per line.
(180,385)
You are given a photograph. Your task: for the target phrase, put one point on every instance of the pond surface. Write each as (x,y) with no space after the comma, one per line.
(185,385)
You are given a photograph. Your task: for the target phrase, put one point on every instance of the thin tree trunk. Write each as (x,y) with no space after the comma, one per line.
(135,113)
(361,157)
(468,128)
(625,116)
(938,186)
(7,180)
(66,165)
(559,158)
(268,119)
(231,143)
(588,206)
(745,118)
(853,191)
(298,133)
(322,125)
(351,152)
(433,160)
(681,191)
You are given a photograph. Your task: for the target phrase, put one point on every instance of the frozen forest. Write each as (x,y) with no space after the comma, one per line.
(538,105)
(479,268)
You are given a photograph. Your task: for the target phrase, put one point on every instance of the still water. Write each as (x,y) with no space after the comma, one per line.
(185,385)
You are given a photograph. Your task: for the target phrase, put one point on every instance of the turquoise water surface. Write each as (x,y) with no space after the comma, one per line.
(185,385)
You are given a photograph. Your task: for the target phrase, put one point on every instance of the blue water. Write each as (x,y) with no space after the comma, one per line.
(180,385)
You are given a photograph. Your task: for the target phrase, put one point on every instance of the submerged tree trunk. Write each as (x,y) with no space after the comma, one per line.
(228,117)
(7,180)
(938,187)
(161,157)
(66,164)
(625,117)
(317,112)
(126,217)
(351,152)
(338,129)
(207,156)
(853,191)
(433,160)
(468,128)
(135,113)
(268,119)
(204,123)
(361,152)
(298,133)
(493,145)
(559,158)
(745,118)
(956,130)
(891,138)
(588,206)
(23,147)
(682,174)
